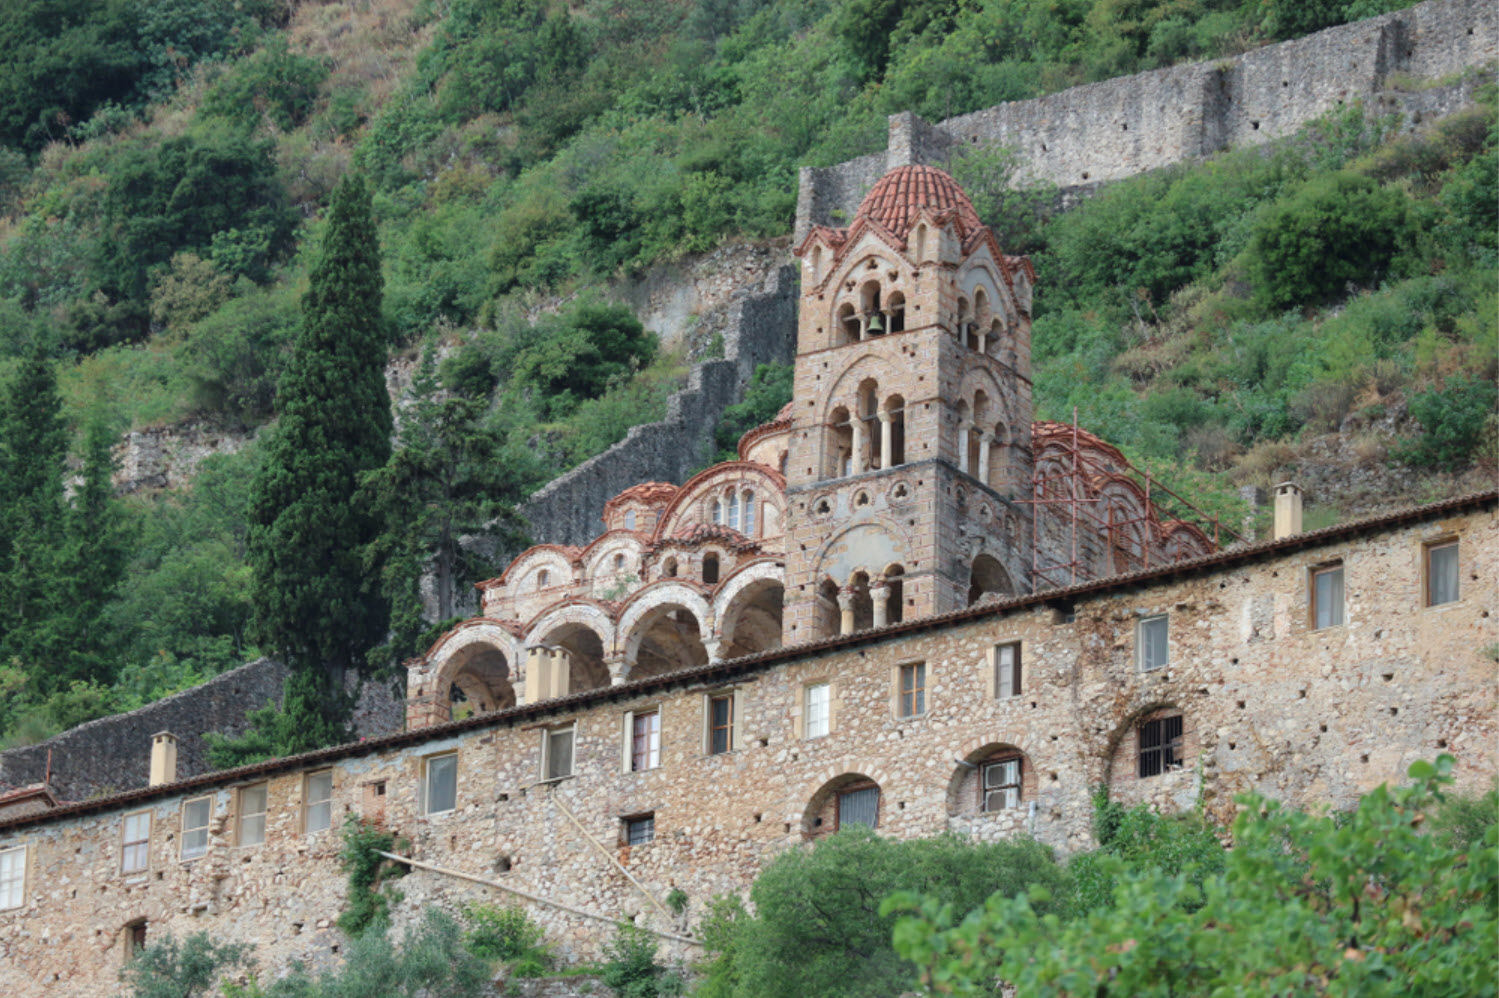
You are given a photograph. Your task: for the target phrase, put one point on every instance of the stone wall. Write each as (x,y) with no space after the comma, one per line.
(757,329)
(1309,716)
(112,754)
(1130,125)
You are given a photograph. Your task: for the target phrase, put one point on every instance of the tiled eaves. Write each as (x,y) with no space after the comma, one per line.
(733,669)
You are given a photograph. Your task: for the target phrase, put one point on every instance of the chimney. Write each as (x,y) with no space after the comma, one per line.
(163,758)
(1287,510)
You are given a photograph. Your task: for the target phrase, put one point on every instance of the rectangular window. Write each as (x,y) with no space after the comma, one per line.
(749,514)
(1441,573)
(1327,596)
(557,753)
(640,830)
(135,841)
(859,806)
(1007,670)
(645,741)
(1150,643)
(252,801)
(195,815)
(913,689)
(318,798)
(721,724)
(816,711)
(1000,784)
(440,783)
(1160,745)
(12,877)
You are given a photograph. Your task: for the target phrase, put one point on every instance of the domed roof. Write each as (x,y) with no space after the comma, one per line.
(905,190)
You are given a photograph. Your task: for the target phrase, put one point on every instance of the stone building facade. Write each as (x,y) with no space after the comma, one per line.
(1310,668)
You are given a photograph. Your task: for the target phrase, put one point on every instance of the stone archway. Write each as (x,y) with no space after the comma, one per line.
(749,611)
(850,798)
(665,638)
(988,577)
(477,680)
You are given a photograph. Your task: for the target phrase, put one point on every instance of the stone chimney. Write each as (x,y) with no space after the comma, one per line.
(1287,510)
(163,758)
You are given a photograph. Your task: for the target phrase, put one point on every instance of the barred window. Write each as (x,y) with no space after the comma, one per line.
(640,830)
(859,805)
(1160,745)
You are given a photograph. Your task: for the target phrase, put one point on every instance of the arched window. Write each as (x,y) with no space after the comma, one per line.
(733,503)
(748,498)
(895,602)
(848,324)
(542,578)
(669,569)
(895,411)
(897,312)
(619,563)
(718,511)
(710,568)
(629,519)
(840,444)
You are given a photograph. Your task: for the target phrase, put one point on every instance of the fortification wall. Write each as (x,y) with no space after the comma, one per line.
(1130,125)
(1310,716)
(112,754)
(757,329)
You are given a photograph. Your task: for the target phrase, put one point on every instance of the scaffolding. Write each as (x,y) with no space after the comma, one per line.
(1135,535)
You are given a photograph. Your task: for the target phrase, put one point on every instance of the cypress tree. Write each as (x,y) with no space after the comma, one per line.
(33,447)
(313,602)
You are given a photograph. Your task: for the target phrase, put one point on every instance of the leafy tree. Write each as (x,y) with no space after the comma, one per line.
(818,926)
(191,968)
(1369,903)
(314,606)
(577,355)
(1339,229)
(446,497)
(274,83)
(630,969)
(1141,837)
(1455,419)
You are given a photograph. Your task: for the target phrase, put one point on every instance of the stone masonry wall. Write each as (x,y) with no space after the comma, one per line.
(1130,125)
(1312,717)
(757,329)
(113,754)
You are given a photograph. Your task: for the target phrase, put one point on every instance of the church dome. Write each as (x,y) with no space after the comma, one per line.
(901,193)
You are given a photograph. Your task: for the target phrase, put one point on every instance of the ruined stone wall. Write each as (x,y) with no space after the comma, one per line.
(757,329)
(1312,717)
(112,754)
(1130,125)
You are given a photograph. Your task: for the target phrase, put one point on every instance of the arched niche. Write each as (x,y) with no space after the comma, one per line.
(749,610)
(988,577)
(846,800)
(664,638)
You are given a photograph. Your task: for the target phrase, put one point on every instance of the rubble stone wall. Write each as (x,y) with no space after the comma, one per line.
(1312,717)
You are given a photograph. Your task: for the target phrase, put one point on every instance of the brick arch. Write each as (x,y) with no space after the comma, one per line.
(877,531)
(829,782)
(844,390)
(962,788)
(1129,718)
(446,658)
(679,516)
(647,610)
(598,557)
(737,592)
(551,556)
(584,613)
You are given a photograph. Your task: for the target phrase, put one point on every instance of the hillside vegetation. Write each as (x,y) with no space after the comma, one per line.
(165,166)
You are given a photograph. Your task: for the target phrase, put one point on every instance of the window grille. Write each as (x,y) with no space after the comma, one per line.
(1160,745)
(860,806)
(641,830)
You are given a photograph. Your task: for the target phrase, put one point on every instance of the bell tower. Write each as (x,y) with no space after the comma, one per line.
(911,417)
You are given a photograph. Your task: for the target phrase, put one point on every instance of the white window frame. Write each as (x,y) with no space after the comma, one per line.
(1143,660)
(1428,594)
(985,789)
(1011,686)
(13,877)
(308,803)
(547,734)
(196,851)
(748,498)
(139,846)
(627,745)
(809,715)
(243,817)
(1339,616)
(736,719)
(425,788)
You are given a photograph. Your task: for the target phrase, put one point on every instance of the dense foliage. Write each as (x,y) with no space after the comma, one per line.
(1370,903)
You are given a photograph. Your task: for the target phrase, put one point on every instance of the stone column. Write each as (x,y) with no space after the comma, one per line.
(885,445)
(856,460)
(880,595)
(963,431)
(714,648)
(982,472)
(619,670)
(982,337)
(846,612)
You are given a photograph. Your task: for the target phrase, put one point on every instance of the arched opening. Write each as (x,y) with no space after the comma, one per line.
(965,319)
(585,655)
(478,680)
(848,324)
(992,783)
(863,603)
(867,432)
(735,507)
(710,568)
(666,639)
(751,520)
(895,600)
(869,308)
(543,578)
(988,577)
(897,309)
(994,343)
(921,242)
(994,474)
(829,617)
(846,801)
(816,263)
(752,621)
(895,411)
(980,321)
(669,568)
(840,443)
(1126,553)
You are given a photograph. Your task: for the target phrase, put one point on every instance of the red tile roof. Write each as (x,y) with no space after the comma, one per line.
(895,200)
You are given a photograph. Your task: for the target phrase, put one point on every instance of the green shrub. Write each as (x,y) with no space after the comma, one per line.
(1337,231)
(509,935)
(274,83)
(192,968)
(630,966)
(1455,419)
(766,395)
(369,897)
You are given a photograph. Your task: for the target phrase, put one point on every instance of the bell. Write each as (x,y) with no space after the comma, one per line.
(877,324)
